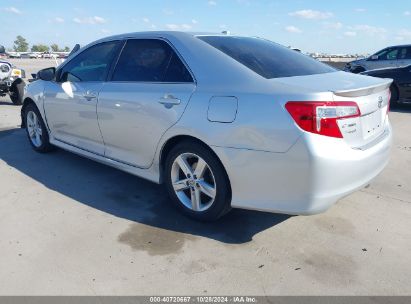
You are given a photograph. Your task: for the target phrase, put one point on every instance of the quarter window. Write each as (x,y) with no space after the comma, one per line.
(92,64)
(150,60)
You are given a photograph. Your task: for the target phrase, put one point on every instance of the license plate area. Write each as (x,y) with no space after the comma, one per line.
(372,124)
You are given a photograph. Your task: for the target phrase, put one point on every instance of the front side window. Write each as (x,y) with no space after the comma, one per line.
(92,64)
(392,55)
(267,58)
(150,60)
(387,54)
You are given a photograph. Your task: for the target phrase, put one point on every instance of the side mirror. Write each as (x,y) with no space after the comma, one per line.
(374,57)
(46,74)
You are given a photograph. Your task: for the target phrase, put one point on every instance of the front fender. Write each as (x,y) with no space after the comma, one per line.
(34,93)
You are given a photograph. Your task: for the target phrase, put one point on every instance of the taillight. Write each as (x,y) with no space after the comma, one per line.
(321,117)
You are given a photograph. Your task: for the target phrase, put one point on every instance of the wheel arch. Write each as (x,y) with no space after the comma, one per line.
(26,102)
(175,140)
(17,81)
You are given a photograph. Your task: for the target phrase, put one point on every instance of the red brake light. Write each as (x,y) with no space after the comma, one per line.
(321,117)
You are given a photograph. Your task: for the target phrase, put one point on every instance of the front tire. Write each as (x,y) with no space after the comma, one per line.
(36,130)
(17,91)
(197,182)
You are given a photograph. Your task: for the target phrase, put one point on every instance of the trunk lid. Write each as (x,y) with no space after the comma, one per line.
(371,95)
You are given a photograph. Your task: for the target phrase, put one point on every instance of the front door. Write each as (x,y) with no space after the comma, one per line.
(71,101)
(386,59)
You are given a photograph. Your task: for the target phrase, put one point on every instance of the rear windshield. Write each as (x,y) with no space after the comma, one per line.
(267,58)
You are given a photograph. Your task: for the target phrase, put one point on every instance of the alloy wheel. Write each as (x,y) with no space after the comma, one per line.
(34,129)
(193,182)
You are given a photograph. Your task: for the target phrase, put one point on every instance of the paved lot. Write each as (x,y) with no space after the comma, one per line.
(71,226)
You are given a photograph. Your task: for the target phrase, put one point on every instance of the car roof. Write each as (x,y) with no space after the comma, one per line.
(401,45)
(165,34)
(203,59)
(169,35)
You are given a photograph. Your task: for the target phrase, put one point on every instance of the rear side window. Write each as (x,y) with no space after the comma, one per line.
(405,53)
(176,71)
(267,58)
(150,60)
(90,65)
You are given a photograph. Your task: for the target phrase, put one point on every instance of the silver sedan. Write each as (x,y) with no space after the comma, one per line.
(223,121)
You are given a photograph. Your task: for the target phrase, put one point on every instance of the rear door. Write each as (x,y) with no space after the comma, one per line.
(403,81)
(404,56)
(147,94)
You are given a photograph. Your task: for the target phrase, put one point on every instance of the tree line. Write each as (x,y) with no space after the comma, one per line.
(21,45)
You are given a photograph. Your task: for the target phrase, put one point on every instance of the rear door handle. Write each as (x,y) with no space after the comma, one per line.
(169,100)
(90,95)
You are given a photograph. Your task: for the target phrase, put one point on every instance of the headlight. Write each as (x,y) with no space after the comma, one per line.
(4,68)
(16,72)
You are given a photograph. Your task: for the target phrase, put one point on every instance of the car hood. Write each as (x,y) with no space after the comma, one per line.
(338,81)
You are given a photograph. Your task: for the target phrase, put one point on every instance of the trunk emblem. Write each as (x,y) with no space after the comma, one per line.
(380,100)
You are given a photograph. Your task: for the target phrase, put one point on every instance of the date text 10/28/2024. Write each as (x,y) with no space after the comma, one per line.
(204,299)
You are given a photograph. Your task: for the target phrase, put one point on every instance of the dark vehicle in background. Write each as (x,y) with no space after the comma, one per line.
(390,57)
(401,87)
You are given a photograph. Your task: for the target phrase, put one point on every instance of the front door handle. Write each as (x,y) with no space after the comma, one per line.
(169,100)
(90,95)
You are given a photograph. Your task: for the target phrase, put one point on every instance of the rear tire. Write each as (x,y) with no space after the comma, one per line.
(197,182)
(36,129)
(17,91)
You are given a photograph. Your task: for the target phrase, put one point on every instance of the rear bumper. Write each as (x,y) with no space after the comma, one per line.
(313,175)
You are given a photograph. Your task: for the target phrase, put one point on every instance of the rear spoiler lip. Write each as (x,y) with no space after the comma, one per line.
(365,90)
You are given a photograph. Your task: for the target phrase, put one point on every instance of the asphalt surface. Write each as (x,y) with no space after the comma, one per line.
(71,226)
